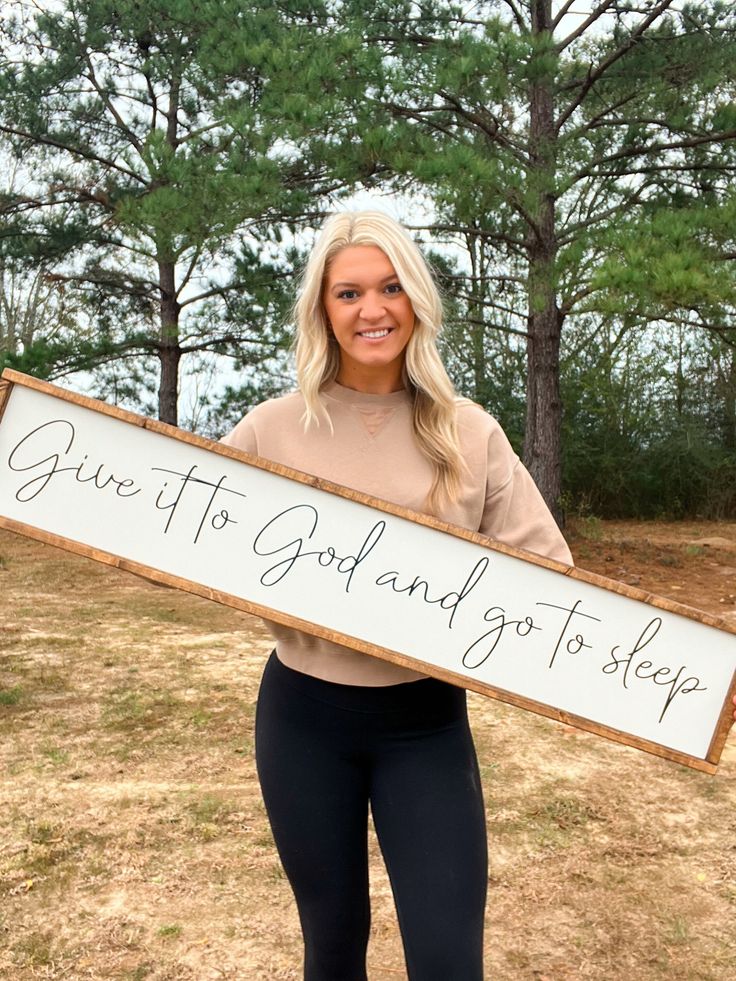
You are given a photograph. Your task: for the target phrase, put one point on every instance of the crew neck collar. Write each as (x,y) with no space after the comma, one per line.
(349,396)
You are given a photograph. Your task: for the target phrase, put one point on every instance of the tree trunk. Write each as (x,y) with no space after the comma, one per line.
(169,351)
(542,436)
(542,439)
(478,334)
(729,402)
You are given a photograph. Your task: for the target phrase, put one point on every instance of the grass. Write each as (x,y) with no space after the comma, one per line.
(677,930)
(55,755)
(208,815)
(42,834)
(140,973)
(126,709)
(589,527)
(35,949)
(209,809)
(201,718)
(134,843)
(694,550)
(559,820)
(11,696)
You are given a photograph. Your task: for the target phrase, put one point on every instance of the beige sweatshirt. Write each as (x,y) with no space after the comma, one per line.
(373,449)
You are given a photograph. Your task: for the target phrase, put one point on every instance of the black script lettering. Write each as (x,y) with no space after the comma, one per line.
(351,562)
(645,637)
(294,547)
(173,505)
(676,687)
(218,521)
(575,644)
(391,579)
(496,615)
(449,601)
(63,432)
(476,574)
(662,677)
(222,517)
(326,557)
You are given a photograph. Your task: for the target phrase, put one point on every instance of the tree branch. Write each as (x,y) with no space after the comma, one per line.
(141,288)
(153,100)
(594,15)
(667,168)
(653,148)
(560,14)
(173,112)
(502,278)
(516,245)
(567,304)
(495,135)
(221,290)
(573,353)
(107,102)
(518,16)
(600,118)
(73,151)
(594,74)
(571,231)
(231,338)
(501,327)
(488,304)
(190,270)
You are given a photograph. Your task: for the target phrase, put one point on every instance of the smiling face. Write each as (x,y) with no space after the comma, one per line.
(371,316)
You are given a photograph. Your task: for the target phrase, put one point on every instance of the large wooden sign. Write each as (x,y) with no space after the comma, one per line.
(201,516)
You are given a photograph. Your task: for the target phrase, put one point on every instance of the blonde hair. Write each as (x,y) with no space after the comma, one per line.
(434,415)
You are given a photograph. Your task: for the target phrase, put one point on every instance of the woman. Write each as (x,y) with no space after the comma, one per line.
(336,730)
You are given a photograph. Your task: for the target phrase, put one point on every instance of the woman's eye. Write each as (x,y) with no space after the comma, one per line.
(347,294)
(394,288)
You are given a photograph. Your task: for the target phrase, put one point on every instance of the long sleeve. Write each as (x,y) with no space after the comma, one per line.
(514,511)
(242,437)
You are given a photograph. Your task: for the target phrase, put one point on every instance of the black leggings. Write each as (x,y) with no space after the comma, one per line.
(324,751)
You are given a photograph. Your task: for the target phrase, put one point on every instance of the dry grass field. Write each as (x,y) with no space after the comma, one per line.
(133,843)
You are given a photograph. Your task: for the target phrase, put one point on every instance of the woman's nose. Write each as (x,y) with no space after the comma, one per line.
(372,307)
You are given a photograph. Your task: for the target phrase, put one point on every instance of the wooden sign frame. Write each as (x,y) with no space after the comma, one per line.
(705,762)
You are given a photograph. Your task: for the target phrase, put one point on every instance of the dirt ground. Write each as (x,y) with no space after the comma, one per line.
(133,843)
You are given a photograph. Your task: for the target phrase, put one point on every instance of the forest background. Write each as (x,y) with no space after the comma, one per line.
(565,165)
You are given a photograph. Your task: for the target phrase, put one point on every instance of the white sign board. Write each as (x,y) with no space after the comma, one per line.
(207,518)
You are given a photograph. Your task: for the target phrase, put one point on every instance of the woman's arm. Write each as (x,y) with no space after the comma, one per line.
(515,512)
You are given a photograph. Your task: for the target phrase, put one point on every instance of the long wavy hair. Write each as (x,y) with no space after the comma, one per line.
(318,355)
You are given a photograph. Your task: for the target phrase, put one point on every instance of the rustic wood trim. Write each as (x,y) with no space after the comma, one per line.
(572,572)
(160,578)
(725,721)
(5,389)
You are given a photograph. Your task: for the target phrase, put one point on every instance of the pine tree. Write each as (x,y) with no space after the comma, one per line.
(556,136)
(166,148)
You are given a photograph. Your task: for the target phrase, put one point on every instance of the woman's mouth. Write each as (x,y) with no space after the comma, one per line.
(375,334)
